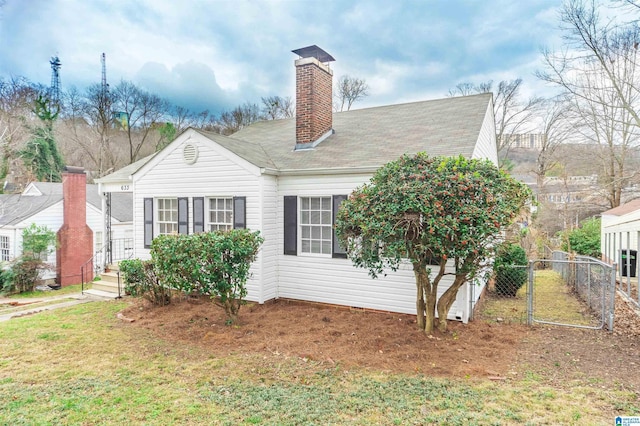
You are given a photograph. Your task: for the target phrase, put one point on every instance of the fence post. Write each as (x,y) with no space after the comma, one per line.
(530,295)
(589,283)
(612,295)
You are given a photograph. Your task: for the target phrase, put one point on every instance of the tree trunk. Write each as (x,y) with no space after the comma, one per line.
(431,309)
(419,273)
(446,300)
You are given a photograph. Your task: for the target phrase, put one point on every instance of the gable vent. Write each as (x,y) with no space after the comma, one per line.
(190,153)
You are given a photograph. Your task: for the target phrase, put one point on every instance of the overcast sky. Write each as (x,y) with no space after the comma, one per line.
(218,54)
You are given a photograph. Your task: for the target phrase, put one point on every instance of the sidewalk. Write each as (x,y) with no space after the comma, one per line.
(15,308)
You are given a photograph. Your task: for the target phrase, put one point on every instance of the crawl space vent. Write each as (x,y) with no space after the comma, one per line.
(190,153)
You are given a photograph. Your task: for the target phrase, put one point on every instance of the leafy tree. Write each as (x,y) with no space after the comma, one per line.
(167,133)
(37,241)
(584,240)
(41,154)
(432,211)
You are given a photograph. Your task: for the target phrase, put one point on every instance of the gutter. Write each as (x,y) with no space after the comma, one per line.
(320,171)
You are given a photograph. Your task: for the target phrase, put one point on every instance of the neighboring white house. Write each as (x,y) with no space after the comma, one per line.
(286,178)
(42,203)
(620,231)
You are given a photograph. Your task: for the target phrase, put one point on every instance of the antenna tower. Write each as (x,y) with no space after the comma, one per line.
(55,80)
(105,86)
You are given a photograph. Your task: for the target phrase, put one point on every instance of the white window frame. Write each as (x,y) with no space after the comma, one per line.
(5,248)
(315,228)
(164,226)
(223,218)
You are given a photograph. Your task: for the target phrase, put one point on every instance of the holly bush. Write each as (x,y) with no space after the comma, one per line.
(510,269)
(211,263)
(422,208)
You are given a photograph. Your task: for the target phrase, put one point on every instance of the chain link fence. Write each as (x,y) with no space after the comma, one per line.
(559,289)
(506,297)
(576,291)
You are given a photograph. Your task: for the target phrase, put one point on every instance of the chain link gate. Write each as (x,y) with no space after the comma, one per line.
(574,292)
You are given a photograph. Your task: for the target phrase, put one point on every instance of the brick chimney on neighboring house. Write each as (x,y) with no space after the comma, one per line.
(314,97)
(75,238)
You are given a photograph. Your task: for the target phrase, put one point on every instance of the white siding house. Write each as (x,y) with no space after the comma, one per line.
(41,203)
(268,177)
(620,231)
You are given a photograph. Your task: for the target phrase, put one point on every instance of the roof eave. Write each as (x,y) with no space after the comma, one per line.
(321,171)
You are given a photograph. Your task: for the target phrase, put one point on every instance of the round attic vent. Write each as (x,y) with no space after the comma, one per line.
(190,153)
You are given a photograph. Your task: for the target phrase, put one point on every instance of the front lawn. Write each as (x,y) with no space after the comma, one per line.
(81,365)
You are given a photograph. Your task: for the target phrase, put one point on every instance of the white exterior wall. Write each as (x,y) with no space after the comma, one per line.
(14,246)
(619,233)
(486,145)
(272,238)
(320,278)
(216,173)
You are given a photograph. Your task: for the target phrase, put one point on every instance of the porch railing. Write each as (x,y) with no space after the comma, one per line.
(113,251)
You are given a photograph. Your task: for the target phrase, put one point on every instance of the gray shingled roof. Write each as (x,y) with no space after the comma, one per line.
(368,137)
(364,139)
(15,208)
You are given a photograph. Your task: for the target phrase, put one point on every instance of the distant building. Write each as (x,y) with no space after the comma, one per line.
(523,140)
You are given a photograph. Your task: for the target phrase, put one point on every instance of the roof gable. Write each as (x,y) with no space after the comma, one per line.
(241,154)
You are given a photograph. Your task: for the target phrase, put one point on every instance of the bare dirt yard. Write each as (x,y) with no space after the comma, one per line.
(391,342)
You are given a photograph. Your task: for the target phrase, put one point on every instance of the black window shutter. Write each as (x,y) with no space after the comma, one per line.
(239,212)
(336,249)
(148,222)
(291,225)
(198,214)
(183,215)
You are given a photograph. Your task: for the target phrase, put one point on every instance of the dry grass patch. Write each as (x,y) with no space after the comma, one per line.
(555,301)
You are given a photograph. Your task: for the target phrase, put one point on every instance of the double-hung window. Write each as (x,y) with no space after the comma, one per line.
(172,215)
(308,225)
(315,225)
(220,214)
(167,219)
(4,248)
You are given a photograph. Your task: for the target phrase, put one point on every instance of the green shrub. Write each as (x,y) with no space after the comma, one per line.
(23,274)
(132,275)
(6,283)
(584,240)
(212,263)
(510,269)
(141,280)
(37,241)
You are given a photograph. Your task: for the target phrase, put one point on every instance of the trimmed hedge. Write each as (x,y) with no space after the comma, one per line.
(210,263)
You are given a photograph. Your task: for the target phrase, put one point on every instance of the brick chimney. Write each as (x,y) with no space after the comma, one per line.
(75,238)
(314,96)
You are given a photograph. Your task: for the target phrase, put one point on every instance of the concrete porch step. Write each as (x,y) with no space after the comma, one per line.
(101,293)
